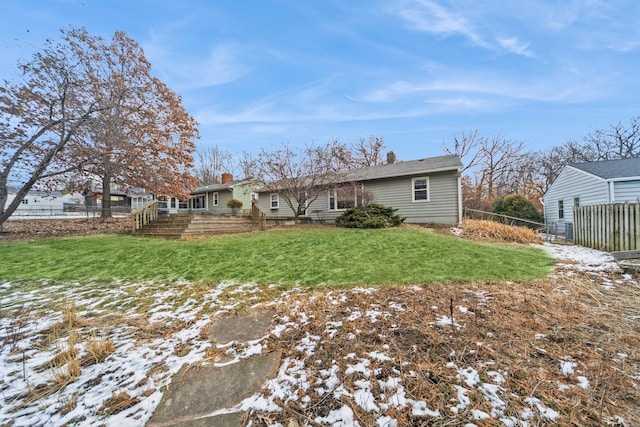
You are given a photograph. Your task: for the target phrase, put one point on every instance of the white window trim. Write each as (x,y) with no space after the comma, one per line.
(334,192)
(277,206)
(413,190)
(216,199)
(561,210)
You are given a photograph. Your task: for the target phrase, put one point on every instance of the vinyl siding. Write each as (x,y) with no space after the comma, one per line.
(441,208)
(627,191)
(572,183)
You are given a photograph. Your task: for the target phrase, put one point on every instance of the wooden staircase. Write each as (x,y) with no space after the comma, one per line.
(195,226)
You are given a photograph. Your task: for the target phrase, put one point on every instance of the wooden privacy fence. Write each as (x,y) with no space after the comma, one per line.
(612,227)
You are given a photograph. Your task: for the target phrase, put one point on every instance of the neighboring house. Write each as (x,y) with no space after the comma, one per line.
(424,191)
(213,198)
(37,202)
(592,183)
(122,199)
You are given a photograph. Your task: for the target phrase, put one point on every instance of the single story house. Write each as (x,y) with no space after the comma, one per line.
(424,191)
(592,183)
(213,198)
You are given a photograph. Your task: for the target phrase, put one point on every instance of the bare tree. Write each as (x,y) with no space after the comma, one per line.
(492,167)
(298,175)
(466,147)
(497,158)
(364,153)
(618,141)
(211,163)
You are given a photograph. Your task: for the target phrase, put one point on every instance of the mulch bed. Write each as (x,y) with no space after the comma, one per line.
(46,228)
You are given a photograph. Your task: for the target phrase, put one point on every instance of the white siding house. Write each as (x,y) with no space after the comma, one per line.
(592,183)
(37,203)
(424,191)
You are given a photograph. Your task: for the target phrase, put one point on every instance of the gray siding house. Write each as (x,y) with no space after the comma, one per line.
(213,198)
(592,183)
(424,191)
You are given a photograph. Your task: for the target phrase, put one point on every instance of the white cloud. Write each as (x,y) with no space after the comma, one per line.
(514,45)
(428,16)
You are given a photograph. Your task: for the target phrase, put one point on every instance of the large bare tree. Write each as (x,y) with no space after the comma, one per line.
(491,166)
(297,174)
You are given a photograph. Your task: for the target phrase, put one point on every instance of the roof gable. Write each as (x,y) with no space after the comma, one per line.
(611,169)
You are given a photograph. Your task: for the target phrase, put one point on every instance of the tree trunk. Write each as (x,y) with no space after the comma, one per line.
(3,200)
(106,197)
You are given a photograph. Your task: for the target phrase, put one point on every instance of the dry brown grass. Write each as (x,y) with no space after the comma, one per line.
(118,402)
(498,232)
(98,349)
(524,330)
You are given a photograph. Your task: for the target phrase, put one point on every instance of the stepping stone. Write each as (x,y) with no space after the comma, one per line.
(241,328)
(197,391)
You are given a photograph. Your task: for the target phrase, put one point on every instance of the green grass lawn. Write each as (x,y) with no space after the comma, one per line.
(332,256)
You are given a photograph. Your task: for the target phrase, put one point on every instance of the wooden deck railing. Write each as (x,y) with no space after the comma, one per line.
(258,215)
(144,215)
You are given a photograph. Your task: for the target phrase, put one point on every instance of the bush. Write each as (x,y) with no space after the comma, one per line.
(234,204)
(370,216)
(518,206)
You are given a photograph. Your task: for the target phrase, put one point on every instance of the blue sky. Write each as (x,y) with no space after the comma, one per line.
(262,73)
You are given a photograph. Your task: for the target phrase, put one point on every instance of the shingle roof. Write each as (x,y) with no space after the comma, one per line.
(411,167)
(402,168)
(611,169)
(217,187)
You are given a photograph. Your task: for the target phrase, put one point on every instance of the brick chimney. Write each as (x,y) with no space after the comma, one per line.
(227,178)
(391,158)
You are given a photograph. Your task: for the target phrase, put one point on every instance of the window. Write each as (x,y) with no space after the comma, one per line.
(25,201)
(173,202)
(198,202)
(162,202)
(215,199)
(345,197)
(420,188)
(183,204)
(576,201)
(275,201)
(560,209)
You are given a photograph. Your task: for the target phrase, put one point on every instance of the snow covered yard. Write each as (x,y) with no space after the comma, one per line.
(562,351)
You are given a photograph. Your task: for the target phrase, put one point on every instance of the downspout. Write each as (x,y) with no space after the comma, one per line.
(459,199)
(612,192)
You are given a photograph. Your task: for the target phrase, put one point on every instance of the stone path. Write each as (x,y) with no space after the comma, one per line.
(197,393)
